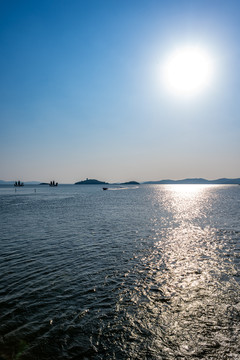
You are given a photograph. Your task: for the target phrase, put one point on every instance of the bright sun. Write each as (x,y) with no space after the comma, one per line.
(188,71)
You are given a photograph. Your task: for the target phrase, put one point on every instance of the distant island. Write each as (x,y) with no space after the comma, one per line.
(130,183)
(222,181)
(91,182)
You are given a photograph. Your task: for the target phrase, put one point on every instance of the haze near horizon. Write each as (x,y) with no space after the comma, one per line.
(118,91)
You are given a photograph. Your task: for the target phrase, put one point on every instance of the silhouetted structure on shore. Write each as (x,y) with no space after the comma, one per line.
(52,183)
(18,183)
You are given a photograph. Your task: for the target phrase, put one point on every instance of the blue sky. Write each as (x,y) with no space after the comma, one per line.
(81,94)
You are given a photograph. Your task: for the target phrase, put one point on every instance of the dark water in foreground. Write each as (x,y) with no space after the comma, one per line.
(137,273)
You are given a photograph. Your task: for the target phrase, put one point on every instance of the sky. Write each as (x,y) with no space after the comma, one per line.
(82,94)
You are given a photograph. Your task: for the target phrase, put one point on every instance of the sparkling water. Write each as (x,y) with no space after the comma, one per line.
(147,272)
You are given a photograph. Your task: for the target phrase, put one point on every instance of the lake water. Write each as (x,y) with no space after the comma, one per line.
(148,272)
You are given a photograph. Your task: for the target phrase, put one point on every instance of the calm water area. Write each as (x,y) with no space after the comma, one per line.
(148,272)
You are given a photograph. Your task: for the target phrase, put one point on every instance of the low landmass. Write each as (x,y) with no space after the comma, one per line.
(223,181)
(91,182)
(4,182)
(130,183)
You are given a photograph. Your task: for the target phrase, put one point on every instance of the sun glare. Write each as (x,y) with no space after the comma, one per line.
(188,71)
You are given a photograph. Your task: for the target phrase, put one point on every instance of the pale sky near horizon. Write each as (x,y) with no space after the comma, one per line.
(81,93)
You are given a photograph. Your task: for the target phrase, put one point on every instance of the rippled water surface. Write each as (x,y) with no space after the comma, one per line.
(149,272)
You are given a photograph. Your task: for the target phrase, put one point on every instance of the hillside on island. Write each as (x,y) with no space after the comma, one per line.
(130,183)
(91,182)
(222,181)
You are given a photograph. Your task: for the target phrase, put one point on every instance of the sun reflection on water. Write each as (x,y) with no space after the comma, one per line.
(187,201)
(184,284)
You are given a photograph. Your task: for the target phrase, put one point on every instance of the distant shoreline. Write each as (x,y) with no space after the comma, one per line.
(189,181)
